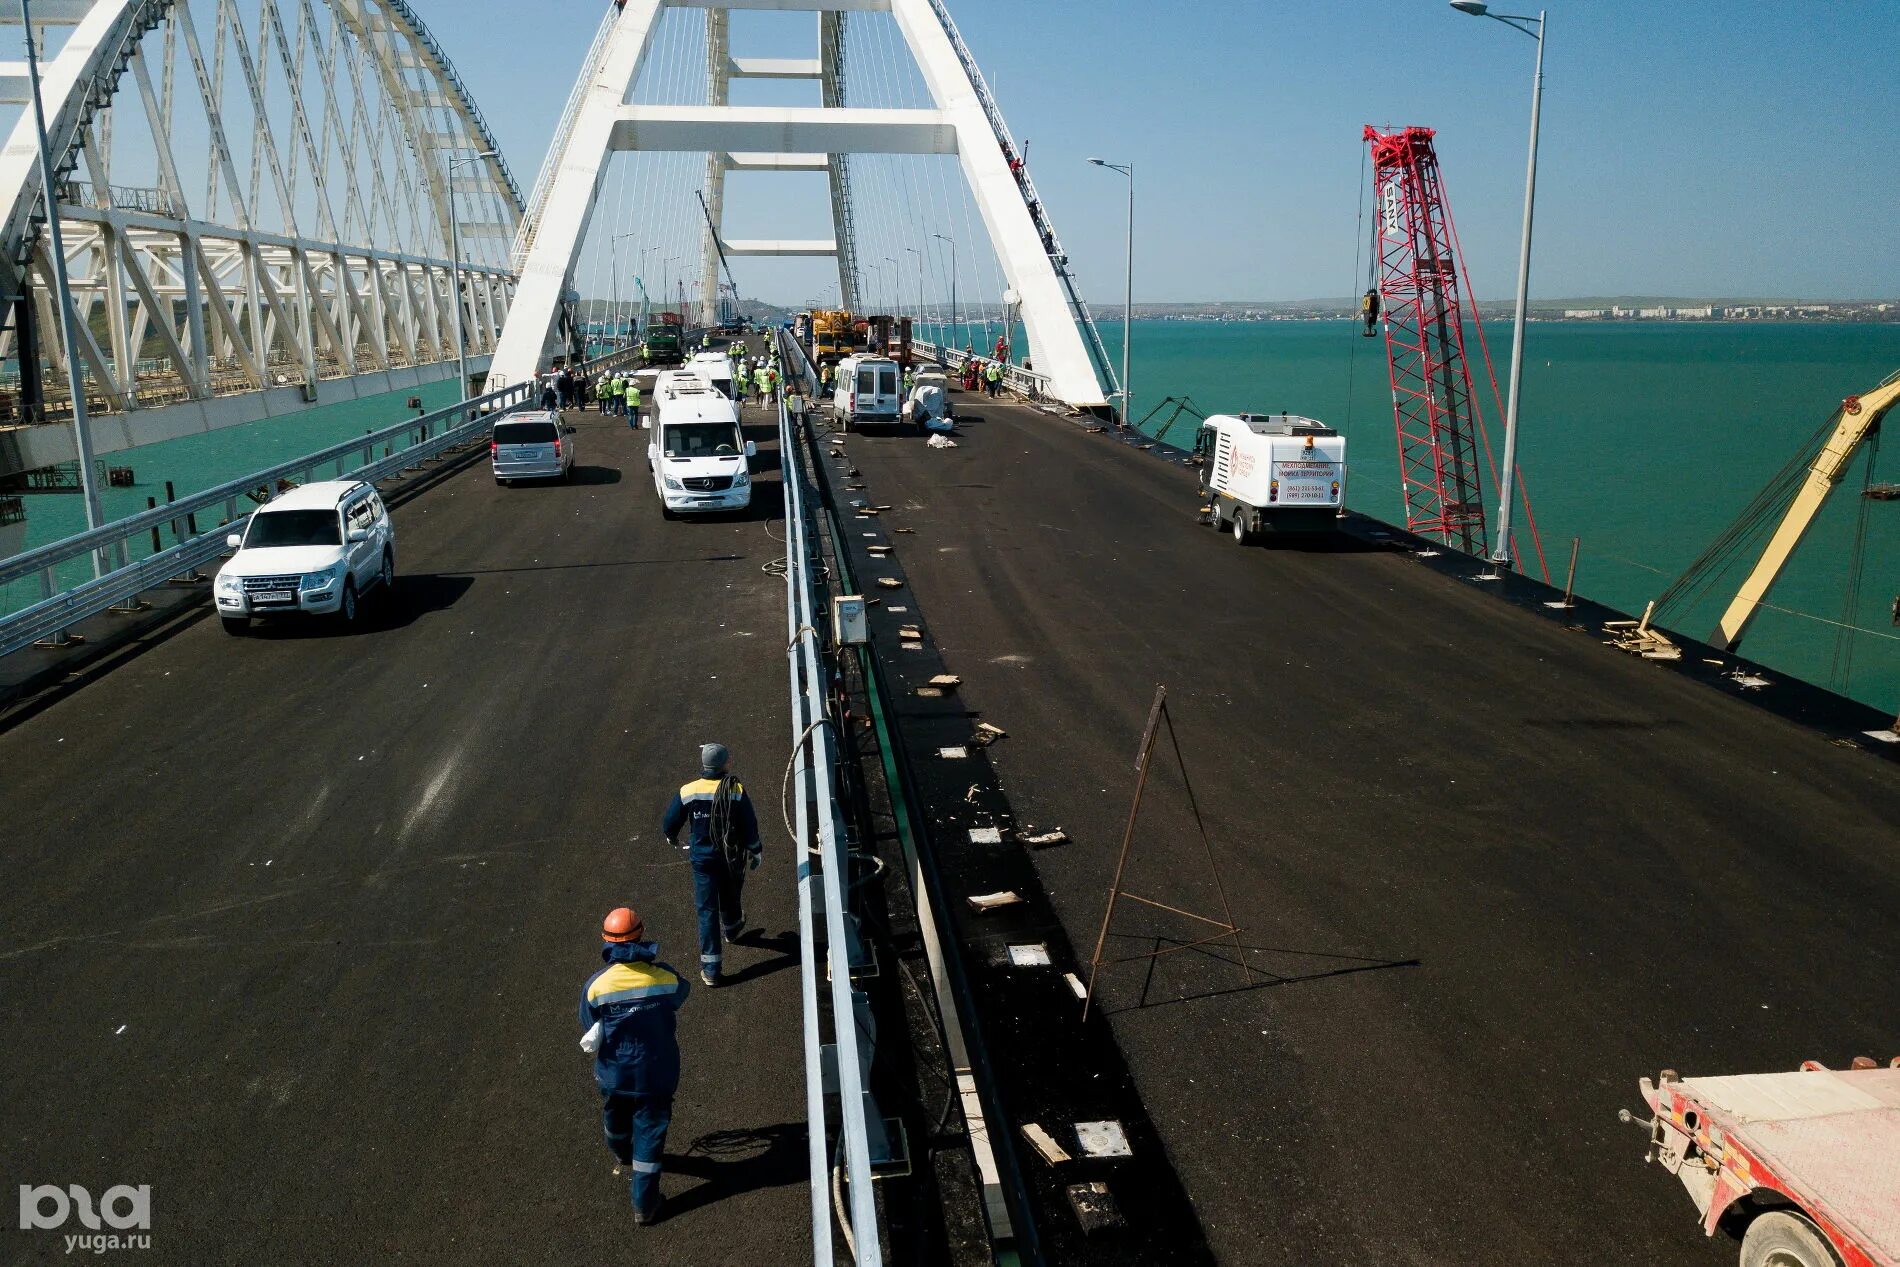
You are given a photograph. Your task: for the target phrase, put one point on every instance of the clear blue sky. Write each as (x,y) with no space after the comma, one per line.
(1726,147)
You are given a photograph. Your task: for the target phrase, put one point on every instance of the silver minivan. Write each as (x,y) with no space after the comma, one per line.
(532,444)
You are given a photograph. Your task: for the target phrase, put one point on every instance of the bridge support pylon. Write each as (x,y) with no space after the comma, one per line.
(962,120)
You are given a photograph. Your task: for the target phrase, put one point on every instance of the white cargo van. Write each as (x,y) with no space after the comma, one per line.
(1271,473)
(698,454)
(866,391)
(716,369)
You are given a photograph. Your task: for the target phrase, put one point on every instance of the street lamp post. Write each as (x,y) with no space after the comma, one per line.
(1128,302)
(455,272)
(1507,477)
(920,281)
(613,306)
(956,319)
(82,428)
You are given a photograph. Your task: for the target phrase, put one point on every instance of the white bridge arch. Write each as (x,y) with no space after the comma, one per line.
(963,121)
(258,199)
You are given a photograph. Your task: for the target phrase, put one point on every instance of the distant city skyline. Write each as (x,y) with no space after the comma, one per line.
(1689,152)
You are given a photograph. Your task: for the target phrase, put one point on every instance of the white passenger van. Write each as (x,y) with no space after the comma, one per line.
(866,391)
(698,454)
(716,369)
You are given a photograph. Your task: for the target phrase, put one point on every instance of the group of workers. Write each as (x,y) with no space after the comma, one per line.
(749,377)
(628,1007)
(618,394)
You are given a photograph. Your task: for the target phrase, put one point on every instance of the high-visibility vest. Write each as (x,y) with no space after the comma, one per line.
(633,395)
(995,372)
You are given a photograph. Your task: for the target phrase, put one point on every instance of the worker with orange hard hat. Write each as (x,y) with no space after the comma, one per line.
(628,1008)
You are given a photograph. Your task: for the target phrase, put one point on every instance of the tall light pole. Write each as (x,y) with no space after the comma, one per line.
(1128,303)
(955,317)
(613,306)
(82,428)
(920,281)
(455,271)
(1533,27)
(892,300)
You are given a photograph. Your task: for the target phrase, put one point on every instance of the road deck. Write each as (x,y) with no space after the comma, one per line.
(1490,870)
(295,925)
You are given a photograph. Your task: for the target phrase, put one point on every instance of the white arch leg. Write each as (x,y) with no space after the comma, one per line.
(1054,341)
(527,339)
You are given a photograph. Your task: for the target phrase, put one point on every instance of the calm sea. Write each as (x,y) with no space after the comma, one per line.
(1643,440)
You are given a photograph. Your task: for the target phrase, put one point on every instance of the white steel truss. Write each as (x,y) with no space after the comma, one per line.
(963,122)
(257,199)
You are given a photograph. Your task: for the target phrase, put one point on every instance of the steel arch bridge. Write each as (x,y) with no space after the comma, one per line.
(258,200)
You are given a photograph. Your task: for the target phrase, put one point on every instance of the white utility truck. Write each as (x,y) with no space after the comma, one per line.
(1271,473)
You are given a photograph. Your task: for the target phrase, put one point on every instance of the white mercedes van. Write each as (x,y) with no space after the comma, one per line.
(698,455)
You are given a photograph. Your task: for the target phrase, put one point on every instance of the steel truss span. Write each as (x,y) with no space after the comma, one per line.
(961,120)
(258,200)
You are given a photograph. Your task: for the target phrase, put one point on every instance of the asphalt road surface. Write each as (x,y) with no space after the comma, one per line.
(294,926)
(1490,872)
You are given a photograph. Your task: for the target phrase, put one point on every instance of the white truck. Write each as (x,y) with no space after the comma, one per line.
(1265,473)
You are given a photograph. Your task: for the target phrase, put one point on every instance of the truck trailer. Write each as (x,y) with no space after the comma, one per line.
(1271,473)
(1803,1168)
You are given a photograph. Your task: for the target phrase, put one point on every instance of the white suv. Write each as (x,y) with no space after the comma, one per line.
(315,549)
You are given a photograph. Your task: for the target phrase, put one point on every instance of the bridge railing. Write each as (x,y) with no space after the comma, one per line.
(1024,382)
(822,839)
(117,551)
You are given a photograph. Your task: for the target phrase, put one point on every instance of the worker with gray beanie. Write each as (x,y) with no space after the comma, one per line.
(722,839)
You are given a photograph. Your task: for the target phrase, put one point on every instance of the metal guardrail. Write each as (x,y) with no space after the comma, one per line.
(815,738)
(1024,382)
(121,578)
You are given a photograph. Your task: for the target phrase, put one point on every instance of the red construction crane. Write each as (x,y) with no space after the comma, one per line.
(1415,258)
(1432,400)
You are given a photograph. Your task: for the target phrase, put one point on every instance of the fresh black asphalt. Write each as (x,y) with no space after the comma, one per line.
(293,926)
(1490,871)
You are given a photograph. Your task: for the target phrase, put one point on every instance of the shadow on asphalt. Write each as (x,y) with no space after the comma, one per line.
(417,594)
(594,475)
(1221,953)
(786,944)
(735,1162)
(616,563)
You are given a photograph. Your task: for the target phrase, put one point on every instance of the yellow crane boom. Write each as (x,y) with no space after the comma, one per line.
(1859,418)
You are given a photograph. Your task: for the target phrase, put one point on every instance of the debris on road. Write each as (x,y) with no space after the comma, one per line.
(1039,1139)
(981,902)
(987,734)
(890,582)
(940,442)
(1042,840)
(946,681)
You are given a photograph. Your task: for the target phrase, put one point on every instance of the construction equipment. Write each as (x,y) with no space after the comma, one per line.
(1856,423)
(831,338)
(1804,1167)
(1416,273)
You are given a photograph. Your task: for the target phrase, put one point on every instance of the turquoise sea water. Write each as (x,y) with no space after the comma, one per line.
(1643,440)
(197,462)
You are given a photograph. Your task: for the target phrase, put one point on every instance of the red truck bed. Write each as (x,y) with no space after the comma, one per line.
(1829,1140)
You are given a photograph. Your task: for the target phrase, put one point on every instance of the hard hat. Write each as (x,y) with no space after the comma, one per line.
(621,925)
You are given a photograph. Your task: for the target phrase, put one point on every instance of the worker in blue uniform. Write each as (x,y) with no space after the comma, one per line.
(722,837)
(627,1009)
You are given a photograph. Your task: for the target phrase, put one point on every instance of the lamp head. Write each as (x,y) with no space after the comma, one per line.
(1099,162)
(1476,8)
